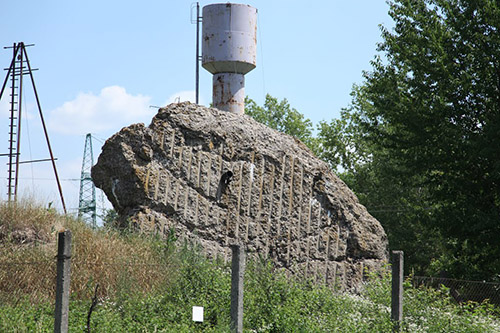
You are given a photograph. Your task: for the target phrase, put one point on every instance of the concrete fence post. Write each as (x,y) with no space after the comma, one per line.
(397,289)
(237,275)
(62,283)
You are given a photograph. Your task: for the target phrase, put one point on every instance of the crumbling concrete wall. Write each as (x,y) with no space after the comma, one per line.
(218,178)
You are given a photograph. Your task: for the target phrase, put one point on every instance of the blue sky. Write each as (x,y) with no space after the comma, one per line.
(103,63)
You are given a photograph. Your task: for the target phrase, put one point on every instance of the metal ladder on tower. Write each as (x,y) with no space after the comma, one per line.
(16,75)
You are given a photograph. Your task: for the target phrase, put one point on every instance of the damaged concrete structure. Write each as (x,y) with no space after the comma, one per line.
(218,178)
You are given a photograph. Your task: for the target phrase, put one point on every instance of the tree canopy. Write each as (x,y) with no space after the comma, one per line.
(429,112)
(420,142)
(280,116)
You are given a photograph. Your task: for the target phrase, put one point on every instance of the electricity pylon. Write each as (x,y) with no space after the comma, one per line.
(87,203)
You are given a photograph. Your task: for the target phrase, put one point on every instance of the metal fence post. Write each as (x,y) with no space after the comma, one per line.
(397,289)
(62,284)
(237,274)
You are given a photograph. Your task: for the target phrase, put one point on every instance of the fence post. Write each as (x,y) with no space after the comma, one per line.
(237,274)
(62,284)
(397,289)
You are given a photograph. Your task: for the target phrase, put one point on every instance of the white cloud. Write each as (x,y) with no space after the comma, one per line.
(112,109)
(5,105)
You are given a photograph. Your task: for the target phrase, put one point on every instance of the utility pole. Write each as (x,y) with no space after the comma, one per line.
(198,57)
(87,203)
(20,66)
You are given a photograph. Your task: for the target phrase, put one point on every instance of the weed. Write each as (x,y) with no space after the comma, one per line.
(149,284)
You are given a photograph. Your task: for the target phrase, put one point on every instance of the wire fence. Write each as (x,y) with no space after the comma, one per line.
(463,290)
(28,280)
(117,277)
(35,281)
(43,281)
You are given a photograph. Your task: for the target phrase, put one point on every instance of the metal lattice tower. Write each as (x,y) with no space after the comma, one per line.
(87,203)
(19,67)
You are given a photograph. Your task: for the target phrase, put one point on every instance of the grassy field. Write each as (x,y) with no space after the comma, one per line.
(149,284)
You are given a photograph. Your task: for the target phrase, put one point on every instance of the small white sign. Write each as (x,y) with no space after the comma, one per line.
(198,314)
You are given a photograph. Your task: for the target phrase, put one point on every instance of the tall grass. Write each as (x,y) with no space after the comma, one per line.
(106,257)
(150,285)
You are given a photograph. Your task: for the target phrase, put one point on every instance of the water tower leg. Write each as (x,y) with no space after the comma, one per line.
(229,92)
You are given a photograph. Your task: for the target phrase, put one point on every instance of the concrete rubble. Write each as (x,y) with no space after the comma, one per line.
(218,178)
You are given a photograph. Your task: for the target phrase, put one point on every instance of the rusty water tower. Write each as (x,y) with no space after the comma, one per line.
(229,45)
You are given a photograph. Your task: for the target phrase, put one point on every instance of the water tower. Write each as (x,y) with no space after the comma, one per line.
(229,51)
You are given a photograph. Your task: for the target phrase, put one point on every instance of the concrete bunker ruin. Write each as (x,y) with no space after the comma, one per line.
(218,178)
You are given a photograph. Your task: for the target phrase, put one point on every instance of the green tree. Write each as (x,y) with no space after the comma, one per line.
(429,112)
(280,116)
(341,141)
(369,170)
(110,218)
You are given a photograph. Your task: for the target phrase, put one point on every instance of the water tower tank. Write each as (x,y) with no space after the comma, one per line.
(229,51)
